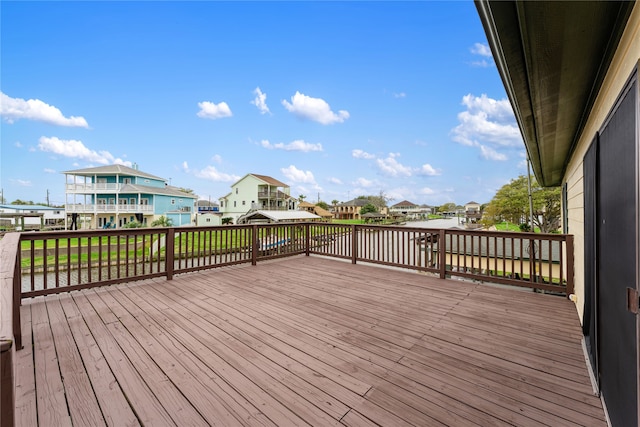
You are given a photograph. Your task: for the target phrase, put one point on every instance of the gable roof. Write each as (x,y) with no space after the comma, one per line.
(404,203)
(356,202)
(112,170)
(269,180)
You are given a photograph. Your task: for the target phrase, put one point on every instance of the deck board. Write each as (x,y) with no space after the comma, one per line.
(303,341)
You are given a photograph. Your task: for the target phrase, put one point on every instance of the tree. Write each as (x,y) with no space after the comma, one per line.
(186,190)
(380,201)
(323,205)
(163,221)
(301,198)
(369,207)
(511,203)
(22,202)
(447,207)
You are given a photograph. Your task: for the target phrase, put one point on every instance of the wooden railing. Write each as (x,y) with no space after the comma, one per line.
(40,263)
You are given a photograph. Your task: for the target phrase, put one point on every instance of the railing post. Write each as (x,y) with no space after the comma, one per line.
(307,238)
(354,243)
(254,244)
(7,396)
(170,252)
(570,265)
(442,253)
(17,300)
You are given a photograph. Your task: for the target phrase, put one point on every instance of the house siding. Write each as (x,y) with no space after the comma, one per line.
(627,57)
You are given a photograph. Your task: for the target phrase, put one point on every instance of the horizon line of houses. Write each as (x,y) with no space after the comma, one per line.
(116,195)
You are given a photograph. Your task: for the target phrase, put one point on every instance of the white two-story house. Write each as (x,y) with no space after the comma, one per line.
(112,196)
(253,192)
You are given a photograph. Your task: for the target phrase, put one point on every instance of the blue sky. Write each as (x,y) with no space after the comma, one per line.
(336,99)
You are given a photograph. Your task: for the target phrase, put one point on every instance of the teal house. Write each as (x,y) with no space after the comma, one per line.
(112,196)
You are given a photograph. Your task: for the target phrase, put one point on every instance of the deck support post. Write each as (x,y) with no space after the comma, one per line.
(570,265)
(307,239)
(354,243)
(7,396)
(254,244)
(170,252)
(442,253)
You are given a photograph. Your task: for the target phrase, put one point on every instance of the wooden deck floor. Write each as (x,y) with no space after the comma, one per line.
(303,341)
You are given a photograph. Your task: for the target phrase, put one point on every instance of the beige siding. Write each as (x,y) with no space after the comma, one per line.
(626,58)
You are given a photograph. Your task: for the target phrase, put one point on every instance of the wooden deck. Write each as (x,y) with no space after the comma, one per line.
(303,341)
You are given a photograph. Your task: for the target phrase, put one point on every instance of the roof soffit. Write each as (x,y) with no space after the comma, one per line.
(552,58)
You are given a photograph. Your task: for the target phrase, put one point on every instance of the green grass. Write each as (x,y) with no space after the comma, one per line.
(507,226)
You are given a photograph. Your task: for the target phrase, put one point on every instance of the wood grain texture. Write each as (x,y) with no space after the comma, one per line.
(305,341)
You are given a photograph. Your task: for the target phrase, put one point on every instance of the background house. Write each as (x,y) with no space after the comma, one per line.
(472,215)
(571,72)
(351,209)
(317,210)
(31,217)
(253,192)
(112,196)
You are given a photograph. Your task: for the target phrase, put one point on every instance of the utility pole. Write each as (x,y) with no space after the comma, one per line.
(48,204)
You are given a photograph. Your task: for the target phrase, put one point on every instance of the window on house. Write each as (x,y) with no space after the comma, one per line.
(234,204)
(236,191)
(126,180)
(243,203)
(132,201)
(173,201)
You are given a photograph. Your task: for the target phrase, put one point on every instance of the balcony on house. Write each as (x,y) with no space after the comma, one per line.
(206,325)
(108,207)
(93,187)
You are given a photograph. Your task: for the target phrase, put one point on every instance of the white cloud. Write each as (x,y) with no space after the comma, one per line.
(13,109)
(482,50)
(316,109)
(217,158)
(426,191)
(212,174)
(487,123)
(334,180)
(297,145)
(363,182)
(298,176)
(428,170)
(260,101)
(391,167)
(209,110)
(21,182)
(491,154)
(18,144)
(49,170)
(185,166)
(76,149)
(400,95)
(359,154)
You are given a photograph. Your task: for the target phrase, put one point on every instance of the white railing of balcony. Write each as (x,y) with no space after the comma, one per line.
(93,187)
(108,208)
